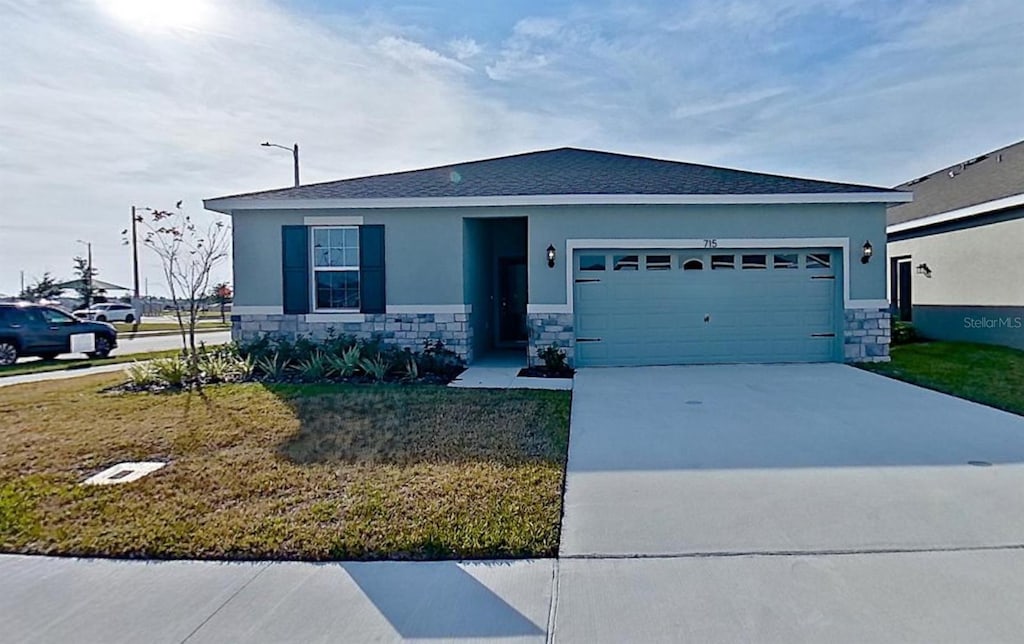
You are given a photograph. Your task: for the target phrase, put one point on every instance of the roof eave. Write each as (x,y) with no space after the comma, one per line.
(1013,201)
(227,205)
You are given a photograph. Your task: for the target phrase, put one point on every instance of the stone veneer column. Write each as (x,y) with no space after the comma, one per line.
(549,328)
(405,330)
(866,335)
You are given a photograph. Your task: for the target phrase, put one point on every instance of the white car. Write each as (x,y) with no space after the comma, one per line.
(108,312)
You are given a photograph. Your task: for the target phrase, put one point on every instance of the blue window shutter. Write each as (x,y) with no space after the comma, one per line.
(372,298)
(295,267)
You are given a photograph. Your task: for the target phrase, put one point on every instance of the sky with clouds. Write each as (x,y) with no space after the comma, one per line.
(109,103)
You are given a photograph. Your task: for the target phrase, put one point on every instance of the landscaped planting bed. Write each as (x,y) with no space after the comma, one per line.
(283,471)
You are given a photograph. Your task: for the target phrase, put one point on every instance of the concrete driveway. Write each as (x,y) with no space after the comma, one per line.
(784,459)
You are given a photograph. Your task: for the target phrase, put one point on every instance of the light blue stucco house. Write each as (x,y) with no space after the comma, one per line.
(621,260)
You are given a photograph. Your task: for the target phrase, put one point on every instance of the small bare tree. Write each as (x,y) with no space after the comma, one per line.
(188,254)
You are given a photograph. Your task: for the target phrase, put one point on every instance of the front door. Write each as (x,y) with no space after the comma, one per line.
(901,289)
(511,301)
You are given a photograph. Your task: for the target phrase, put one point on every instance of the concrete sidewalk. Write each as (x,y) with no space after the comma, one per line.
(45,599)
(959,596)
(7,381)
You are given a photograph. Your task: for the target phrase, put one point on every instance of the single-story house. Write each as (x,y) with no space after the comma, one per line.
(955,252)
(621,260)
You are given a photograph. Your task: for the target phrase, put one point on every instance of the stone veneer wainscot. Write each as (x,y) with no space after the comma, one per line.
(549,328)
(406,330)
(866,335)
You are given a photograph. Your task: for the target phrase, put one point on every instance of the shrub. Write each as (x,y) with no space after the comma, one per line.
(314,367)
(171,371)
(346,364)
(439,359)
(411,370)
(376,367)
(272,366)
(224,364)
(141,374)
(903,333)
(553,357)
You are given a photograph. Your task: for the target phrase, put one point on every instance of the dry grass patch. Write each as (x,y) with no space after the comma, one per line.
(288,472)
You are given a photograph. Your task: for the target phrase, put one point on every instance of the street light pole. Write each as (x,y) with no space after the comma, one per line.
(295,156)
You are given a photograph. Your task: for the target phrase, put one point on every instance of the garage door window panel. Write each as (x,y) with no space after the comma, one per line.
(786,261)
(659,262)
(691,263)
(626,262)
(723,262)
(818,261)
(755,262)
(592,262)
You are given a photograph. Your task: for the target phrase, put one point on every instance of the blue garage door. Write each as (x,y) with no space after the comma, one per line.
(657,307)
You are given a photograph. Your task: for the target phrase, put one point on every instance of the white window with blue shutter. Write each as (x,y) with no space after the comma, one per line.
(329,269)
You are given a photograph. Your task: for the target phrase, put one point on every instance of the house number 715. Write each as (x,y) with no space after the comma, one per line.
(710,243)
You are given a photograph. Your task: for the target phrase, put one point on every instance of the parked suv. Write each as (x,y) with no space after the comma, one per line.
(108,312)
(44,331)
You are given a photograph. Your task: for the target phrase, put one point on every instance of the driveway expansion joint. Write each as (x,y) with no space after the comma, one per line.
(553,604)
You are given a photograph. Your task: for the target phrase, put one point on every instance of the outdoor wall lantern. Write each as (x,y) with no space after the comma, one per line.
(551,256)
(866,253)
(922,269)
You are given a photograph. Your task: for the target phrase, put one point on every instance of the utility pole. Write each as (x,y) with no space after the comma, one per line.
(135,254)
(88,282)
(88,273)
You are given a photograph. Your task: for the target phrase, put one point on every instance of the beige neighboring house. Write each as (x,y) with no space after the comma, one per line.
(956,253)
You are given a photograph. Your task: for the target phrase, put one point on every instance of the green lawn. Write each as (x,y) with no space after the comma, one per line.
(62,364)
(284,472)
(987,374)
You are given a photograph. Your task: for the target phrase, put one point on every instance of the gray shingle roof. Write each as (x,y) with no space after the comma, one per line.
(995,175)
(562,171)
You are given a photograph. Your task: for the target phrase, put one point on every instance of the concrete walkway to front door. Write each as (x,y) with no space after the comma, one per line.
(500,370)
(784,458)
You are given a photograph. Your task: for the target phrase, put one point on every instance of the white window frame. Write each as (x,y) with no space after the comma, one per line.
(313,269)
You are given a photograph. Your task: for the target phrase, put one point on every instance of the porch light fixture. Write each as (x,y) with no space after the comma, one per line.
(922,269)
(551,256)
(867,251)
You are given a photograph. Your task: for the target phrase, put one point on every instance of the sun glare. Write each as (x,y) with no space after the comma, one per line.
(160,14)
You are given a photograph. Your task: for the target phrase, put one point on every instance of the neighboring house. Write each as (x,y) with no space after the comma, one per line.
(621,260)
(957,252)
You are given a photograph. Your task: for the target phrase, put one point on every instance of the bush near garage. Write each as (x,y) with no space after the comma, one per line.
(903,333)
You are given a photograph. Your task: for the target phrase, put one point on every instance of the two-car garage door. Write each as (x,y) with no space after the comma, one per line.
(651,307)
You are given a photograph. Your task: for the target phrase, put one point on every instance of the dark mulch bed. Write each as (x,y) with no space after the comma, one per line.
(544,372)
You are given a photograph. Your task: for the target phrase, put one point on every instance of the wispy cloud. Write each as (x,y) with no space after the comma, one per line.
(101,109)
(464,48)
(98,114)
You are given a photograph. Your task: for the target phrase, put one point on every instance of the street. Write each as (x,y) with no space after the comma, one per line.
(145,344)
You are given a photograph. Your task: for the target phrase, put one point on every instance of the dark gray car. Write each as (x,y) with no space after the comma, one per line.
(44,331)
